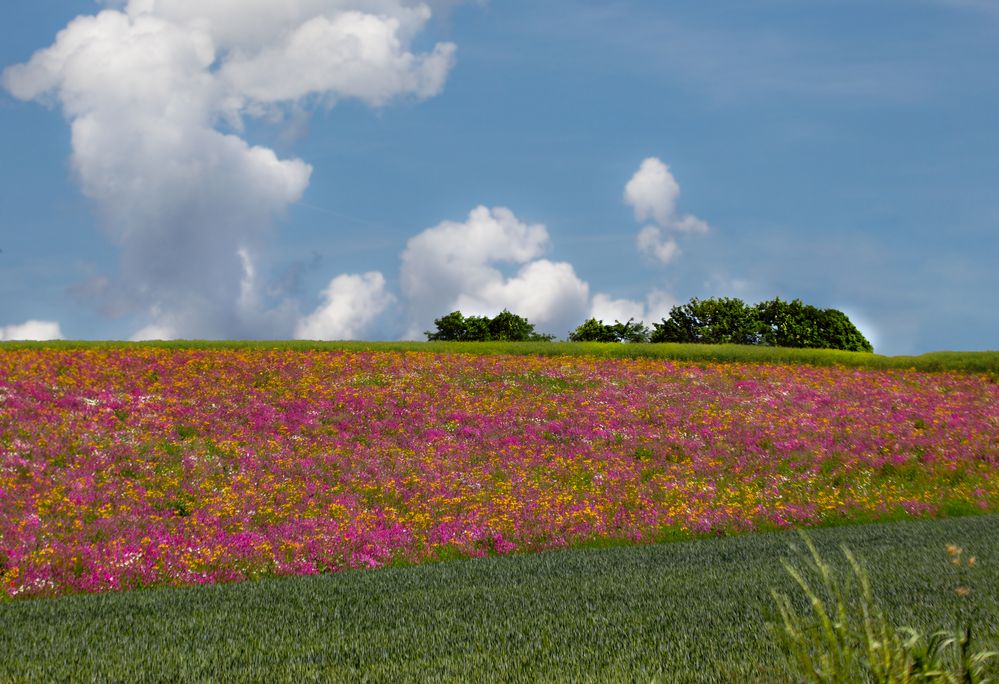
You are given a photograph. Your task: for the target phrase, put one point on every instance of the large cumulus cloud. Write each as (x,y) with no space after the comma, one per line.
(156,92)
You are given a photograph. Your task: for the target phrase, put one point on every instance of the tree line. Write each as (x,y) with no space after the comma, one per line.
(717,320)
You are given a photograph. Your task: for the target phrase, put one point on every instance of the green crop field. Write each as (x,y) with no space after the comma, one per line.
(687,612)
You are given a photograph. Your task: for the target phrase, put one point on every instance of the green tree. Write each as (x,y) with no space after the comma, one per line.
(510,327)
(710,321)
(477,329)
(593,330)
(796,324)
(452,328)
(505,327)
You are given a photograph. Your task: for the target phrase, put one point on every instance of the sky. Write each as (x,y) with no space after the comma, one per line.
(354,169)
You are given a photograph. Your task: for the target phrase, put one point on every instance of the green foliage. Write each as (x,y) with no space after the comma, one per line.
(848,638)
(509,327)
(504,327)
(795,324)
(774,323)
(453,327)
(593,330)
(710,321)
(692,611)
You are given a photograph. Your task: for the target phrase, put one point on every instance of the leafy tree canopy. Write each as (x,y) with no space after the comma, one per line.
(795,324)
(504,327)
(593,330)
(773,323)
(710,321)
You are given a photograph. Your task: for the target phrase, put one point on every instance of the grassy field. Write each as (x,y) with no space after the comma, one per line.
(691,612)
(971,362)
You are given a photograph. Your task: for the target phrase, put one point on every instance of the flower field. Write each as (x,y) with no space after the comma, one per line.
(131,467)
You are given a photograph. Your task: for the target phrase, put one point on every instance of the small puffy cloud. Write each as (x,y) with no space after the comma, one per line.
(31,330)
(652,193)
(689,224)
(454,266)
(651,241)
(351,303)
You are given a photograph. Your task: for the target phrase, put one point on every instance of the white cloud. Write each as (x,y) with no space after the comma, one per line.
(153,331)
(351,303)
(652,241)
(31,330)
(547,293)
(689,224)
(607,309)
(249,25)
(145,87)
(453,266)
(658,304)
(655,307)
(652,193)
(353,54)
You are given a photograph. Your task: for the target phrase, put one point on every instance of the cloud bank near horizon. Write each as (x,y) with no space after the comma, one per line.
(31,331)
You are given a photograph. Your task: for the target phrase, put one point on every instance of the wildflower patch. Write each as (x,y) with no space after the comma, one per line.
(132,467)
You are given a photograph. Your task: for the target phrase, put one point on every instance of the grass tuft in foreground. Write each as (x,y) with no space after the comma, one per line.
(847,637)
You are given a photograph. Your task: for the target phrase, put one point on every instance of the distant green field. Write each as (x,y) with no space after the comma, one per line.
(684,612)
(968,362)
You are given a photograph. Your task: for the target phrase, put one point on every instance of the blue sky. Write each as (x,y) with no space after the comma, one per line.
(246,175)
